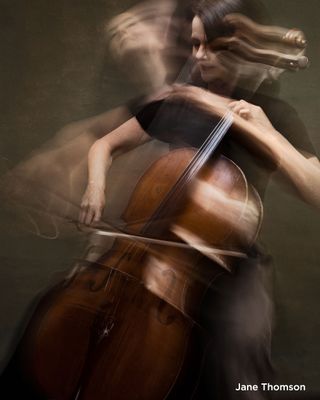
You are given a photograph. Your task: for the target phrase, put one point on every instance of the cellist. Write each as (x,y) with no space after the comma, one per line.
(238,305)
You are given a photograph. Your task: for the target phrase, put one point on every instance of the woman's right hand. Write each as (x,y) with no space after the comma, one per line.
(92,204)
(124,138)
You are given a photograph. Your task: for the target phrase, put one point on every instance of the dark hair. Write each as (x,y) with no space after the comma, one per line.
(212,13)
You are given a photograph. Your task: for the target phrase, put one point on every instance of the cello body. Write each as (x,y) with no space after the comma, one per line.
(125,327)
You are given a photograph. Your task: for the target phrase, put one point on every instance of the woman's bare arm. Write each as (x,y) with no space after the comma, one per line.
(302,170)
(126,137)
(256,131)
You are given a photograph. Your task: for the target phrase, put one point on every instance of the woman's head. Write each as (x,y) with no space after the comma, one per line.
(212,14)
(219,67)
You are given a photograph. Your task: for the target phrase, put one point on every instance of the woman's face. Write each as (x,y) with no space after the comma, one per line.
(212,64)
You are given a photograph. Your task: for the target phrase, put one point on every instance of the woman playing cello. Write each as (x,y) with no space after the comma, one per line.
(237,305)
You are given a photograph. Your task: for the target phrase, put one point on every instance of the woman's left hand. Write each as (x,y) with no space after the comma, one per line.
(253,114)
(219,105)
(257,132)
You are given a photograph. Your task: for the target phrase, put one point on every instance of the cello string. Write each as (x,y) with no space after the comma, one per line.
(198,160)
(196,163)
(207,149)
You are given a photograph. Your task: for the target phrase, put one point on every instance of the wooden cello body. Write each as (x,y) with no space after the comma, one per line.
(125,327)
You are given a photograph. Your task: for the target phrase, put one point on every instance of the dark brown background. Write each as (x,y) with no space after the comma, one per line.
(54,70)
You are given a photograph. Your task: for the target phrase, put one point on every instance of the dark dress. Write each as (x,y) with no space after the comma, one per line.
(237,309)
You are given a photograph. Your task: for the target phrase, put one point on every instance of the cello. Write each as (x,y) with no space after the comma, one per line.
(126,326)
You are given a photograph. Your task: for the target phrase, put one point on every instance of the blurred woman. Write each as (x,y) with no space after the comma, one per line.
(268,135)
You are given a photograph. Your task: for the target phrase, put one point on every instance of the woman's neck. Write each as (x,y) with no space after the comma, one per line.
(222,88)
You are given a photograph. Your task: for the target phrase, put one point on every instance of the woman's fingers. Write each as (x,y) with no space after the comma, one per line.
(243,112)
(242,108)
(83,213)
(88,214)
(97,215)
(253,114)
(89,217)
(92,205)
